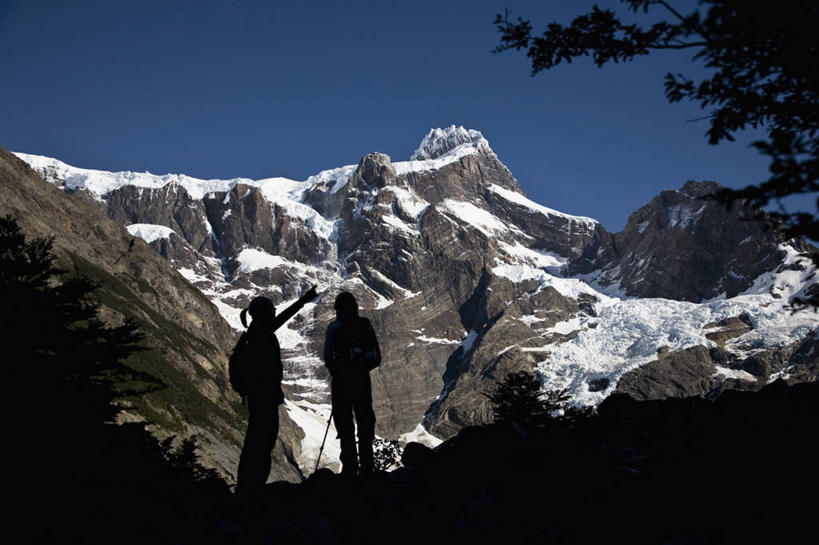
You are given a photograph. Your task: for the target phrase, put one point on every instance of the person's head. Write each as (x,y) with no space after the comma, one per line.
(345,304)
(261,308)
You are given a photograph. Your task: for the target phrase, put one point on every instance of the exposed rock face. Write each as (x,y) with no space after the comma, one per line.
(682,246)
(465,279)
(681,374)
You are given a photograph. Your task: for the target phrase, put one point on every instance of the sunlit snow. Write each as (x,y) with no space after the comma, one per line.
(629,332)
(149,232)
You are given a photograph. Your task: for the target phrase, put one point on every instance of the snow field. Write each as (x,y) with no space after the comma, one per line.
(629,332)
(312,419)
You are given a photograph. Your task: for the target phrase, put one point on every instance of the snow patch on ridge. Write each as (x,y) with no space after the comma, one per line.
(101,182)
(441,147)
(420,435)
(681,216)
(337,177)
(478,218)
(439,142)
(519,199)
(251,259)
(149,232)
(284,192)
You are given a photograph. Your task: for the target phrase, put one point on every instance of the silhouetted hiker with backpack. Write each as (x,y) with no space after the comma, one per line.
(350,352)
(256,374)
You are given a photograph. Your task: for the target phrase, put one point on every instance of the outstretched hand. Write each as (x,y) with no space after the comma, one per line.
(310,294)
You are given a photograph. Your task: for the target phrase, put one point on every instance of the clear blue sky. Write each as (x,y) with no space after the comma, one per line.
(219,89)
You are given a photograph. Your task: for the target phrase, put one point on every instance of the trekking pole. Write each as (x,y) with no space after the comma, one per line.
(323,440)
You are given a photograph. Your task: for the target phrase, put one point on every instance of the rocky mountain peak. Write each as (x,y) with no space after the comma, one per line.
(439,142)
(699,189)
(375,170)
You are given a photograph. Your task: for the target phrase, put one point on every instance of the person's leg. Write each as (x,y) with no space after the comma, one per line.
(255,460)
(271,432)
(365,421)
(343,420)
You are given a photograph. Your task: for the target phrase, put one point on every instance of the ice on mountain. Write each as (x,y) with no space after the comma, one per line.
(739,374)
(565,327)
(408,203)
(479,218)
(630,331)
(519,199)
(334,179)
(530,319)
(681,216)
(420,435)
(517,273)
(439,142)
(435,340)
(548,261)
(192,276)
(313,420)
(251,259)
(398,223)
(149,232)
(405,167)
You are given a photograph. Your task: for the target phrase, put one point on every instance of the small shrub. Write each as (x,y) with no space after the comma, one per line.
(520,398)
(387,454)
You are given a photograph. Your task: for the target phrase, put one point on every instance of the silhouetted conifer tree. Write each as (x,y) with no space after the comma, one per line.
(520,398)
(75,476)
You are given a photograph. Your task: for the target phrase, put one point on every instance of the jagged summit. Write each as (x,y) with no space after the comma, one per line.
(438,142)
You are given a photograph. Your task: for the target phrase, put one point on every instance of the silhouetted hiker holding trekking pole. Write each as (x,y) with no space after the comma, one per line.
(351,351)
(256,374)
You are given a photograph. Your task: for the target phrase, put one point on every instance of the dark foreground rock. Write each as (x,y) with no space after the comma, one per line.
(739,469)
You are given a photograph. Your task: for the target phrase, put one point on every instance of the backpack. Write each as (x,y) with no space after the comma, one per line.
(239,367)
(360,344)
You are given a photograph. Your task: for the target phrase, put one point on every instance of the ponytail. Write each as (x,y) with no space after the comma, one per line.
(243,317)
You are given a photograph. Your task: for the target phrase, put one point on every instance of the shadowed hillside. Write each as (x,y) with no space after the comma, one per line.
(186,339)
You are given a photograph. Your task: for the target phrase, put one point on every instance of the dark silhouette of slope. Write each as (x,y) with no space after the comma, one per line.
(734,470)
(73,475)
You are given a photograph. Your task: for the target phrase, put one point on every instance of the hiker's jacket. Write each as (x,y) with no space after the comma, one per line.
(265,354)
(335,344)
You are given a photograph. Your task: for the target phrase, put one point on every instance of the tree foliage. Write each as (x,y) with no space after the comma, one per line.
(50,330)
(763,61)
(519,397)
(89,480)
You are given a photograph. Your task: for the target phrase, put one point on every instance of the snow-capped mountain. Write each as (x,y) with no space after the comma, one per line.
(466,279)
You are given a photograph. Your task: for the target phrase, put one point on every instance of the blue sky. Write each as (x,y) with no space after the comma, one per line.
(218,89)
